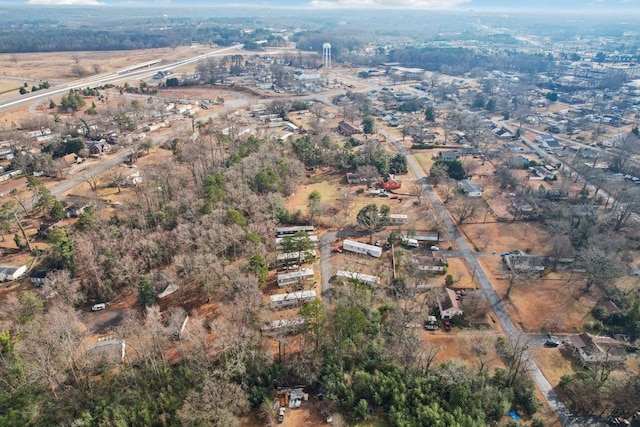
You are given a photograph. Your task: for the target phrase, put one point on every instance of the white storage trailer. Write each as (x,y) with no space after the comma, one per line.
(362,248)
(294,277)
(364,278)
(291,299)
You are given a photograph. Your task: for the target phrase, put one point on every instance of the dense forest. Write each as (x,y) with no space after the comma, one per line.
(60,39)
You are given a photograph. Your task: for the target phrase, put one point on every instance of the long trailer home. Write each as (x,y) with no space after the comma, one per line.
(295,257)
(291,299)
(283,326)
(364,278)
(362,248)
(290,231)
(295,277)
(279,240)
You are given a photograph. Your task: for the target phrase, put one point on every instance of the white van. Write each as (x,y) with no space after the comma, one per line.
(98,307)
(411,243)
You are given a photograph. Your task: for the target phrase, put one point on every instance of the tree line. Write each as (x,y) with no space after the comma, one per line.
(59,39)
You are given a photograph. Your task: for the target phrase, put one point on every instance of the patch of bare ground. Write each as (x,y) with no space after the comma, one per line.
(556,302)
(364,264)
(463,276)
(500,237)
(337,213)
(460,344)
(308,414)
(555,363)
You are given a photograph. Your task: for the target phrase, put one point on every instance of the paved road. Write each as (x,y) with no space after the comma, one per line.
(114,77)
(501,313)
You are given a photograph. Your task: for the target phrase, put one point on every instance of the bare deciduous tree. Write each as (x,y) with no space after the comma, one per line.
(465,208)
(601,267)
(216,403)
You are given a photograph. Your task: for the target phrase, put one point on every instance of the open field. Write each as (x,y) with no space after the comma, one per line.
(56,67)
(462,275)
(9,85)
(501,237)
(332,189)
(458,344)
(552,303)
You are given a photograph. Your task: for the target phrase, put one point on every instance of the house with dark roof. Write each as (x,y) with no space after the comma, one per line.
(347,129)
(592,349)
(502,133)
(449,305)
(40,277)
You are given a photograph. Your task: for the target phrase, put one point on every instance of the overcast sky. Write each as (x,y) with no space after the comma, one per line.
(583,5)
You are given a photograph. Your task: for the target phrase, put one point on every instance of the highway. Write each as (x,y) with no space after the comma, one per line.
(130,73)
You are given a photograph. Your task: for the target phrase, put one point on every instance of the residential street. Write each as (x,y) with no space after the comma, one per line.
(501,313)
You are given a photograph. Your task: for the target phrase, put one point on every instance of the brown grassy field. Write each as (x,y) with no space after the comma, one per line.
(10,85)
(500,237)
(552,303)
(332,188)
(56,67)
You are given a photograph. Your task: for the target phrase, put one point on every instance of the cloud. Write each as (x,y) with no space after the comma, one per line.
(388,4)
(65,2)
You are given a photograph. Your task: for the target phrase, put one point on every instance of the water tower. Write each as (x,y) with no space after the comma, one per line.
(326,55)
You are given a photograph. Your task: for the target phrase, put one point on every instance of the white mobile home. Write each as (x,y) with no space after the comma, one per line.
(294,277)
(398,219)
(364,278)
(292,299)
(284,326)
(279,240)
(11,272)
(362,248)
(295,257)
(290,231)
